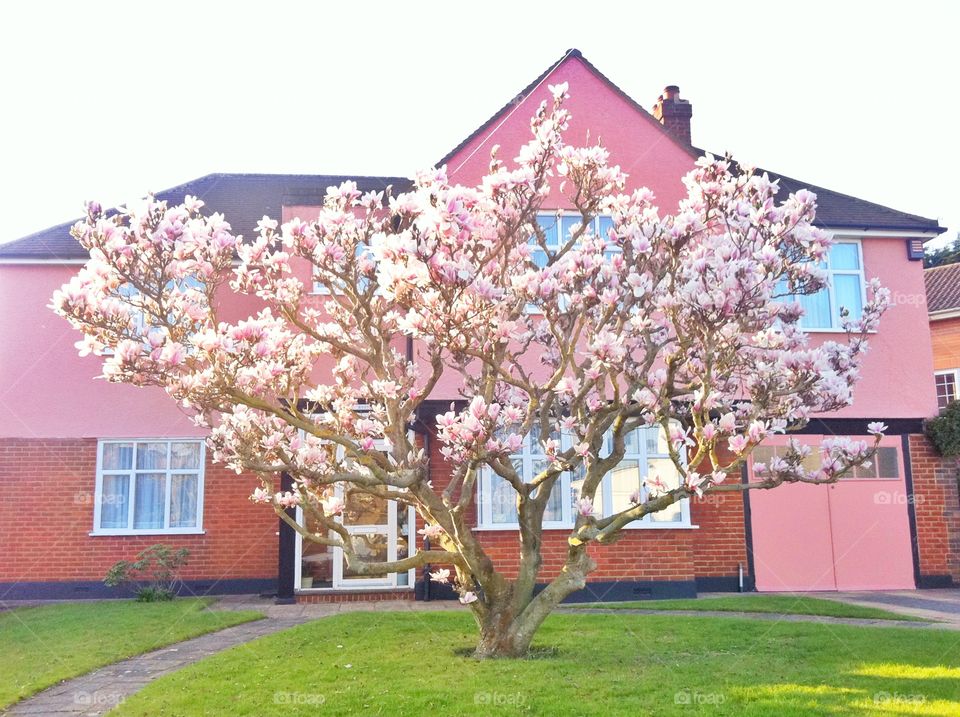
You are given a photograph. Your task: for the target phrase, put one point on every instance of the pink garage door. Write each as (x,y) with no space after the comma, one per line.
(853,535)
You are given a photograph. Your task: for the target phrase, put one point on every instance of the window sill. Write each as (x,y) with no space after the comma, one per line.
(354,588)
(169,531)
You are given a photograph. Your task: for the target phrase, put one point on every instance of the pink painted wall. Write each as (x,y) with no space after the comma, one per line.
(895,373)
(635,140)
(48,391)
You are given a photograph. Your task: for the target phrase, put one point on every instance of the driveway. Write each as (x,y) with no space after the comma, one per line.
(942,605)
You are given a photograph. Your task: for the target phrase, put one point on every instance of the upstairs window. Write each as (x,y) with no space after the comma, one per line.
(844,290)
(557,227)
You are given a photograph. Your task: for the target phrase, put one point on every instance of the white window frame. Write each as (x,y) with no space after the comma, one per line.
(831,292)
(372,583)
(526,457)
(485,507)
(953,372)
(560,215)
(317,289)
(140,323)
(132,471)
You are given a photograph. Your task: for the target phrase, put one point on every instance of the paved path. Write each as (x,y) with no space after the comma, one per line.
(942,604)
(97,692)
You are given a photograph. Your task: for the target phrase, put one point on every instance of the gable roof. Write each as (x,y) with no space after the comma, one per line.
(528,90)
(943,287)
(245,198)
(834,209)
(242,198)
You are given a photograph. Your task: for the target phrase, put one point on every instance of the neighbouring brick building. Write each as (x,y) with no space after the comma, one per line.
(110,469)
(943,309)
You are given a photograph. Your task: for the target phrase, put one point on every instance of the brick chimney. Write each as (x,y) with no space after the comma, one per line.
(674,114)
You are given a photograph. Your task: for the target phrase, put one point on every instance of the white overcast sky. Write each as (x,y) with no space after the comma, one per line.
(111,100)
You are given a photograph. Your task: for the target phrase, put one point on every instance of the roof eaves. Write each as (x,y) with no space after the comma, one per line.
(923,224)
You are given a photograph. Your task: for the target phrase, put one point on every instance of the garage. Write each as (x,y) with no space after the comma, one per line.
(851,535)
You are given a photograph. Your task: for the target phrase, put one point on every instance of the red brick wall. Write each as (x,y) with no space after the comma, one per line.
(937,507)
(714,549)
(720,547)
(46,516)
(356,596)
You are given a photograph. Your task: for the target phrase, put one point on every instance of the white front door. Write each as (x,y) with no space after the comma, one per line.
(372,524)
(380,531)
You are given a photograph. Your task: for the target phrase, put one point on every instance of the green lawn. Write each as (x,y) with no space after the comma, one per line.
(582,664)
(787,604)
(40,646)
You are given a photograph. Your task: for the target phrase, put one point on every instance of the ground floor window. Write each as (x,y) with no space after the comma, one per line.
(646,460)
(149,486)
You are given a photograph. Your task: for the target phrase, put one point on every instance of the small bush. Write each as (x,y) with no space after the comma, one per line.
(944,430)
(154,575)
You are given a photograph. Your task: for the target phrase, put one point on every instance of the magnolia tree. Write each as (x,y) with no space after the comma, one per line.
(687,322)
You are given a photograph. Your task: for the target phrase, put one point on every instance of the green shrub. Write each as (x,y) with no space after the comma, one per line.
(154,575)
(944,430)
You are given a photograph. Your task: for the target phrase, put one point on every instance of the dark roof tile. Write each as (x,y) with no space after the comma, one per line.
(943,287)
(841,211)
(242,198)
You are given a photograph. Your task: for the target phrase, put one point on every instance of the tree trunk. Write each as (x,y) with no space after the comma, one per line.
(507,629)
(502,643)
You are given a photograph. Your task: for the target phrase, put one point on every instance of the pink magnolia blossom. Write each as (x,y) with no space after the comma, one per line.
(333,505)
(670,320)
(737,444)
(260,495)
(432,531)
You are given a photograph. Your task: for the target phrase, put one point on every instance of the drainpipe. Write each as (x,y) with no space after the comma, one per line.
(740,574)
(426,572)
